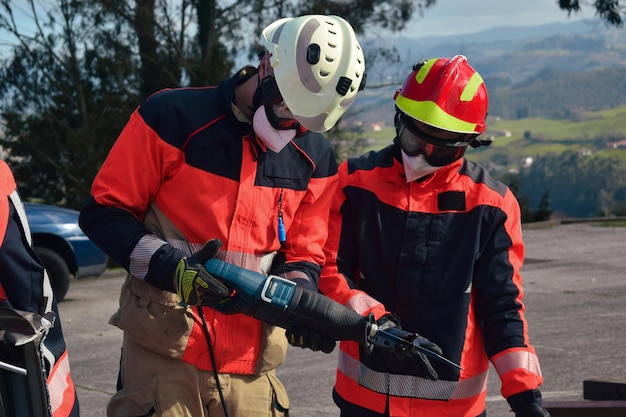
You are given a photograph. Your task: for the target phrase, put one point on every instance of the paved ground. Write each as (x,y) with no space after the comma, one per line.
(575,282)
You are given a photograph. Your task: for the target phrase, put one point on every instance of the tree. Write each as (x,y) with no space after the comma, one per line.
(543,212)
(64,93)
(608,10)
(578,185)
(70,84)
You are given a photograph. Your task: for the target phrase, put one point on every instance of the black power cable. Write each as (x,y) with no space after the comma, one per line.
(212,355)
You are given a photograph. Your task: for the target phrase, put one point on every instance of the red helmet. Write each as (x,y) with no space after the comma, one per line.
(447,94)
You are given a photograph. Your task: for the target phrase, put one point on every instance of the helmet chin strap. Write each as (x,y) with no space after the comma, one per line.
(268,94)
(397,122)
(265,92)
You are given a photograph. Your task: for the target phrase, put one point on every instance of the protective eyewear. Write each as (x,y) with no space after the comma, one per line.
(438,152)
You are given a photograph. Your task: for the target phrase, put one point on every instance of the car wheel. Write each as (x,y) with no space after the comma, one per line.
(58,271)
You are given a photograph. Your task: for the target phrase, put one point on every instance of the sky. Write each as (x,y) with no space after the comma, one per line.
(455,17)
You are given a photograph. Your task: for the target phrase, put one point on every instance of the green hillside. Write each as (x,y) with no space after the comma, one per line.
(595,132)
(562,77)
(559,94)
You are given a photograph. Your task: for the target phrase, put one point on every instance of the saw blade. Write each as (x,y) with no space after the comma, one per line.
(435,355)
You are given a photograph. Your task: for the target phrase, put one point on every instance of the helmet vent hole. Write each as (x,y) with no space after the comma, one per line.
(329,59)
(324,74)
(332,45)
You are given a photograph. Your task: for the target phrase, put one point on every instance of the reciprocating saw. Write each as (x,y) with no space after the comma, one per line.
(281,302)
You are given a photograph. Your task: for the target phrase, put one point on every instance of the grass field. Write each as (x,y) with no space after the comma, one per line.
(533,137)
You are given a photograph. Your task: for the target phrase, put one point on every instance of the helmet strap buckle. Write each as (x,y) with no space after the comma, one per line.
(477,143)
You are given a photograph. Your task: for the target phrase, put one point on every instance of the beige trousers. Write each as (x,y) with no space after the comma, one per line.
(154,385)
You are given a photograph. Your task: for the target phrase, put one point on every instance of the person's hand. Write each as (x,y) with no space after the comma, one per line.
(409,361)
(532,410)
(194,284)
(527,404)
(309,339)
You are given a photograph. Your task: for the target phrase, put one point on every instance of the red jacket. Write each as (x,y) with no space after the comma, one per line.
(185,170)
(445,255)
(25,286)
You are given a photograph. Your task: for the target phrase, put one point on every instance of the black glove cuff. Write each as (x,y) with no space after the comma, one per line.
(162,267)
(388,320)
(517,401)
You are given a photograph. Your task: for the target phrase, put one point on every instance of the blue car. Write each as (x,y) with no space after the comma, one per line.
(62,246)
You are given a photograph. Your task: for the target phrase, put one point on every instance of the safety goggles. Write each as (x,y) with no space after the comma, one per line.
(438,152)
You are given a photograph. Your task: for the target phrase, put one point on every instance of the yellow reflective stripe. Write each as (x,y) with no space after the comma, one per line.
(472,87)
(435,115)
(422,73)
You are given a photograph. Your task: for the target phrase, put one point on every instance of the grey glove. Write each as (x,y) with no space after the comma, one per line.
(309,339)
(410,361)
(527,404)
(194,284)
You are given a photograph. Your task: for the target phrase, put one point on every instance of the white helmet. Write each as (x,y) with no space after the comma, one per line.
(318,65)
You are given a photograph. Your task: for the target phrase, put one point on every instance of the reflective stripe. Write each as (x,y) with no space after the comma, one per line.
(436,114)
(424,70)
(266,263)
(21,212)
(19,208)
(517,359)
(361,302)
(410,385)
(61,387)
(251,261)
(142,254)
(149,244)
(292,275)
(472,87)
